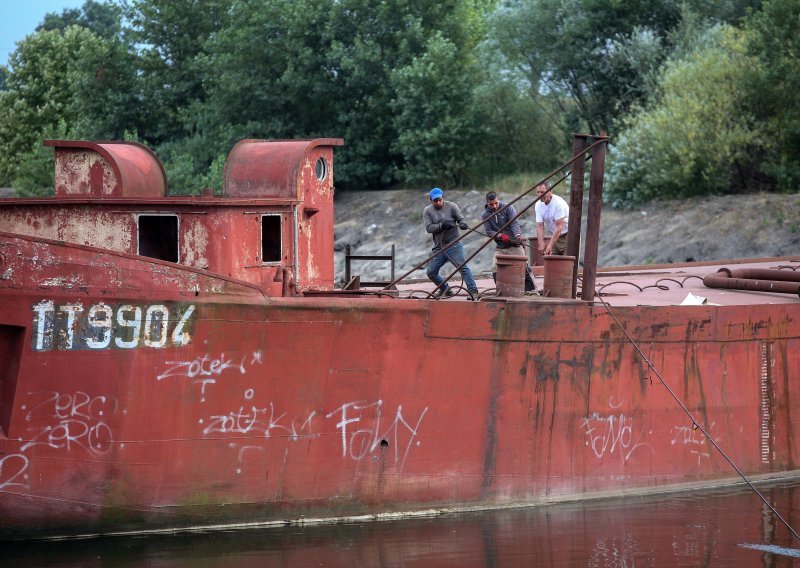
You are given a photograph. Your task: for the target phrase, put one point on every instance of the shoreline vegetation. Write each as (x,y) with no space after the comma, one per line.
(697,97)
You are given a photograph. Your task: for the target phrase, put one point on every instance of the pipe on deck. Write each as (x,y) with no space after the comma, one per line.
(755,279)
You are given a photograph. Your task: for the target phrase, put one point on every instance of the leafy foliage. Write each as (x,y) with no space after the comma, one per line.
(773,37)
(595,55)
(687,142)
(448,92)
(41,91)
(432,127)
(172,36)
(100,18)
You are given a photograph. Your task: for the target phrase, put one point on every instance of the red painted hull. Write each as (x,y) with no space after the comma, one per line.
(149,395)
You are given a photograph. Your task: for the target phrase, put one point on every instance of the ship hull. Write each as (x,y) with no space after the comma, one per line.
(150,396)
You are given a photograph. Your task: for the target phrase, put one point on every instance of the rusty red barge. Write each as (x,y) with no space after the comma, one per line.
(173,361)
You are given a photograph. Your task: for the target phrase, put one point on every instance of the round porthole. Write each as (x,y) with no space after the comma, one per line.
(321,169)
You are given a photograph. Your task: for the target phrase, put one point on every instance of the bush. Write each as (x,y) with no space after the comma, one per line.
(696,136)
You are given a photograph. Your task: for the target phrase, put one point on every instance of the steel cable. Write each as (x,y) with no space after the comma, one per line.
(695,424)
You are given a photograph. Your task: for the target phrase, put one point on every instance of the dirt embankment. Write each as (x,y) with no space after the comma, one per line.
(707,228)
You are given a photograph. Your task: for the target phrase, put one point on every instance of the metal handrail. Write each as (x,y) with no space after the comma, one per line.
(348,257)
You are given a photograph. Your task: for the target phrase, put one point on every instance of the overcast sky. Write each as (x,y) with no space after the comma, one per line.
(20,18)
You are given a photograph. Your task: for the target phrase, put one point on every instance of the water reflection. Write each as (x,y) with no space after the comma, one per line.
(723,528)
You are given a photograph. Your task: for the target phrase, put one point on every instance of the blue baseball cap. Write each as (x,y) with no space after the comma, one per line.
(436,193)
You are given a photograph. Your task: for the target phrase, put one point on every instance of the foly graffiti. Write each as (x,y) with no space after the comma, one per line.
(612,435)
(362,434)
(362,427)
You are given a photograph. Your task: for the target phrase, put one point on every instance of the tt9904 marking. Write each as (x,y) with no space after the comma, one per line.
(105,326)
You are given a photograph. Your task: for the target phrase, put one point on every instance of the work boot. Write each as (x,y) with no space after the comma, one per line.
(530,285)
(472,294)
(446,292)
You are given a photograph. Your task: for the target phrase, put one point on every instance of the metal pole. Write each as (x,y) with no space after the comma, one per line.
(296,264)
(593,220)
(392,262)
(346,264)
(576,205)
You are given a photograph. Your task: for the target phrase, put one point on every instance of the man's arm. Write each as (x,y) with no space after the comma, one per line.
(540,236)
(457,216)
(514,226)
(430,226)
(554,237)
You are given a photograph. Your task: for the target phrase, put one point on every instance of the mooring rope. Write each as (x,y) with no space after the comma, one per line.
(695,424)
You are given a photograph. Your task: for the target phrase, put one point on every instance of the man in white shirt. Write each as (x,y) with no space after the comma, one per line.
(554,211)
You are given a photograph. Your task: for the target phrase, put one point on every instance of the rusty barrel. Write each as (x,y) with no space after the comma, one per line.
(511,275)
(558,275)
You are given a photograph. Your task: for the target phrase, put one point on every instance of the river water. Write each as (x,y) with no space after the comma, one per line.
(730,527)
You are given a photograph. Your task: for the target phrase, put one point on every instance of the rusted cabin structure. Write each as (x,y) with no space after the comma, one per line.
(272,225)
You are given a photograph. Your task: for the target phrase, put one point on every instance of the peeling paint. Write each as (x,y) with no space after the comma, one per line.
(88,226)
(195,245)
(76,171)
(73,281)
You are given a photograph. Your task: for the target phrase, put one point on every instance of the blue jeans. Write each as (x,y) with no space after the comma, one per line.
(455,255)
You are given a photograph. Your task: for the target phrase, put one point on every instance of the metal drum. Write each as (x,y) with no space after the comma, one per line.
(511,275)
(558,275)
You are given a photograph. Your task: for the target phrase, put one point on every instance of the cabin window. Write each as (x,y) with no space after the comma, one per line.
(158,237)
(270,238)
(11,340)
(321,169)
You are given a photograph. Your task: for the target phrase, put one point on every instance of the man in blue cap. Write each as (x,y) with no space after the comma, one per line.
(443,219)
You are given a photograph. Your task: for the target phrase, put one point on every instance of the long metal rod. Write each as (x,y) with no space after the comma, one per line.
(576,207)
(473,229)
(593,222)
(695,424)
(295,243)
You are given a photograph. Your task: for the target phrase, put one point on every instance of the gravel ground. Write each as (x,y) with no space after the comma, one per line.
(707,228)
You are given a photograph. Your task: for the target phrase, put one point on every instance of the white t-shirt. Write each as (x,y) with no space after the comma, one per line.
(552,212)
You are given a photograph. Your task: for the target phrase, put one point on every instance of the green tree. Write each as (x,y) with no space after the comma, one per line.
(773,37)
(371,40)
(307,68)
(41,93)
(596,55)
(103,76)
(600,57)
(171,37)
(104,19)
(695,137)
(432,118)
(520,131)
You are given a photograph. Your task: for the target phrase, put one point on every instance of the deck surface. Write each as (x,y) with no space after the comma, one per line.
(653,285)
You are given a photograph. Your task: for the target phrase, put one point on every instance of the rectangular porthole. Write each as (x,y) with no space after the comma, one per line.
(270,238)
(11,339)
(158,237)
